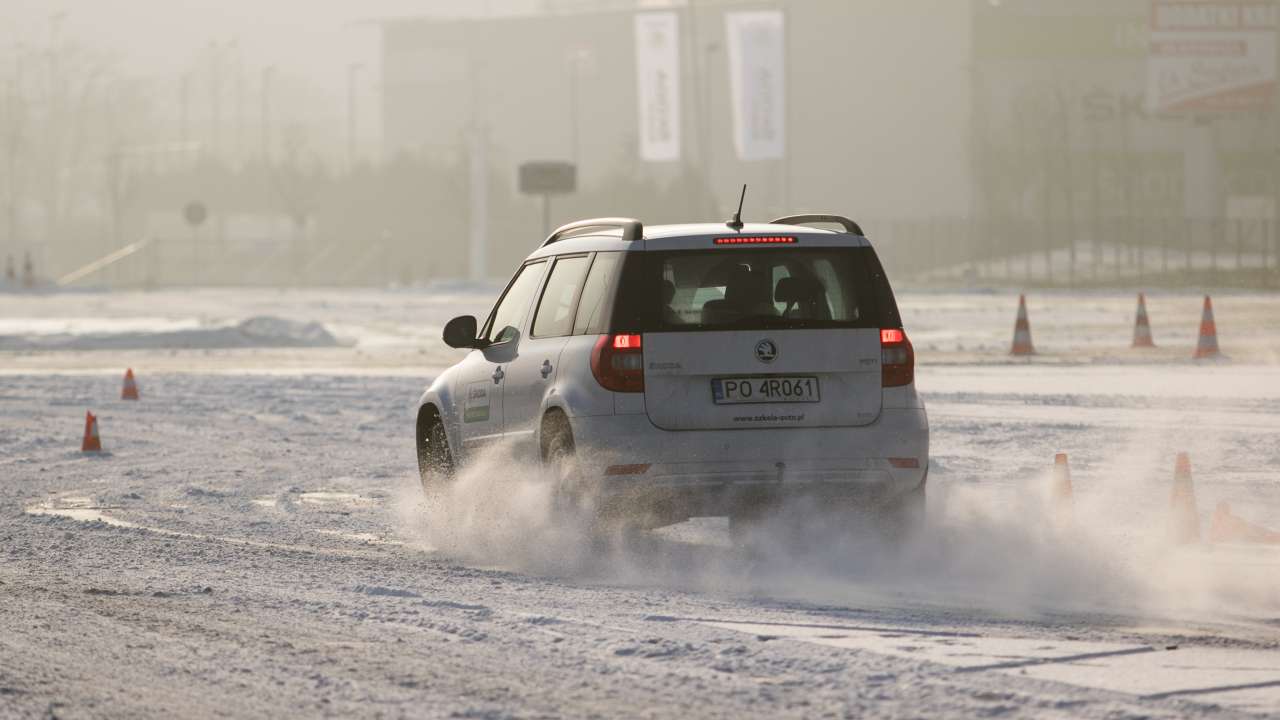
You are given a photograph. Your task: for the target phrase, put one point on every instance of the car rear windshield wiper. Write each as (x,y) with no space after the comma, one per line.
(773,321)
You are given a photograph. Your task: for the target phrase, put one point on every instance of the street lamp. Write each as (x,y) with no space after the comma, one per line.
(578,61)
(353,69)
(268,74)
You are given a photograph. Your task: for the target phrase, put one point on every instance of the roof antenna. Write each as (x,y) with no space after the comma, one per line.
(736,222)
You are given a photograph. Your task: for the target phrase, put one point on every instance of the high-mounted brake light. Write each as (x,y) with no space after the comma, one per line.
(617,362)
(897,358)
(763,240)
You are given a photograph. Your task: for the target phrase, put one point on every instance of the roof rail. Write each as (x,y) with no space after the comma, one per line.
(632,230)
(850,226)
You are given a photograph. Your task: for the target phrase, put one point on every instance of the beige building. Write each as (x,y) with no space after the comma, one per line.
(877,111)
(953,130)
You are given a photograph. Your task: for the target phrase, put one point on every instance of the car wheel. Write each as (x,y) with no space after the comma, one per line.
(561,461)
(435,460)
(748,522)
(904,517)
(572,499)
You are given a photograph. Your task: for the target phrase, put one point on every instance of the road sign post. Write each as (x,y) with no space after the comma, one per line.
(195,213)
(548,179)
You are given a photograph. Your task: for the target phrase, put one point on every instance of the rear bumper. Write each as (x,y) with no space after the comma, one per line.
(712,472)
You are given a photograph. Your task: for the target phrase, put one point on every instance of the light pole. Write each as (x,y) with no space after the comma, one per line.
(215,96)
(698,62)
(268,74)
(578,59)
(54,120)
(478,156)
(1275,212)
(353,70)
(13,142)
(237,148)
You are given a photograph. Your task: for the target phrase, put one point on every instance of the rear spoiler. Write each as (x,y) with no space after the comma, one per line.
(850,226)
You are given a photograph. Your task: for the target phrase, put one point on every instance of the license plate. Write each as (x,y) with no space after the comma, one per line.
(752,390)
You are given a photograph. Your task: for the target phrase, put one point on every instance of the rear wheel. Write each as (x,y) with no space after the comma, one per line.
(573,498)
(748,521)
(562,461)
(435,460)
(560,458)
(804,523)
(904,517)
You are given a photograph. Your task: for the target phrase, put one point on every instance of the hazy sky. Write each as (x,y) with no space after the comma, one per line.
(314,39)
(309,43)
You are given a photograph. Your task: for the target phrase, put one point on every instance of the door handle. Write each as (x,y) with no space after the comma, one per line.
(546,369)
(498,374)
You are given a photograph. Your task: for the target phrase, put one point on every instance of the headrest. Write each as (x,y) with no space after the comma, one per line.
(797,290)
(668,292)
(746,286)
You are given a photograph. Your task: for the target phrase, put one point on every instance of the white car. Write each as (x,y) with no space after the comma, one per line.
(685,371)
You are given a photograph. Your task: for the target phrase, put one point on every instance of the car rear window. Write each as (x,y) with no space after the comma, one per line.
(755,288)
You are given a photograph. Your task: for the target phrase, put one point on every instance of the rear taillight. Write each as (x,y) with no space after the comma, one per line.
(618,362)
(897,359)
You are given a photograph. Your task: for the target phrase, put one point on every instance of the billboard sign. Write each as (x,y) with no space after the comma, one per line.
(548,177)
(658,83)
(757,81)
(1211,56)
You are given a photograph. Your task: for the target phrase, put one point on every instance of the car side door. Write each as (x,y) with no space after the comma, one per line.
(483,373)
(531,374)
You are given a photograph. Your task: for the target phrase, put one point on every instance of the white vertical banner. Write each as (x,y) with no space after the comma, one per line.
(757,81)
(658,81)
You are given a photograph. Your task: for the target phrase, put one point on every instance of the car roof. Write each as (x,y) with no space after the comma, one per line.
(692,236)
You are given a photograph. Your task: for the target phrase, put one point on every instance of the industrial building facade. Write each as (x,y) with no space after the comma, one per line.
(951,130)
(874,119)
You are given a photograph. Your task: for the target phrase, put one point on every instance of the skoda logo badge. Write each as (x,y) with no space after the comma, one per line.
(766,351)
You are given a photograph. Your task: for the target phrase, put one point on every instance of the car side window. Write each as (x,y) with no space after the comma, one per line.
(504,324)
(555,311)
(595,295)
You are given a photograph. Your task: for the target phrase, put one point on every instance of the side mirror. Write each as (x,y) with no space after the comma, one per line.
(461,333)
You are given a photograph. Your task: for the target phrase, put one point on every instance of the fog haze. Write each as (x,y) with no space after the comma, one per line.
(1020,141)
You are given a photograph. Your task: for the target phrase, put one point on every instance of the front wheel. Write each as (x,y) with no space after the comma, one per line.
(435,460)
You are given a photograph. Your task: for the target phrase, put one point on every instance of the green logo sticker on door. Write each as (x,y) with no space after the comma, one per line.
(476,408)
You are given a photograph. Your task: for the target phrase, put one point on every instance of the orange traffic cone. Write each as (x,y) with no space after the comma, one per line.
(1061,492)
(1228,527)
(1208,346)
(1022,331)
(130,391)
(1142,326)
(91,441)
(1184,517)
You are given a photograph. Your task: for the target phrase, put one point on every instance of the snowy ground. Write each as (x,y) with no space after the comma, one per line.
(254,541)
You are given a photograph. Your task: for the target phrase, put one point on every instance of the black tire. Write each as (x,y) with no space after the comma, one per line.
(903,518)
(435,460)
(747,523)
(816,523)
(573,499)
(560,457)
